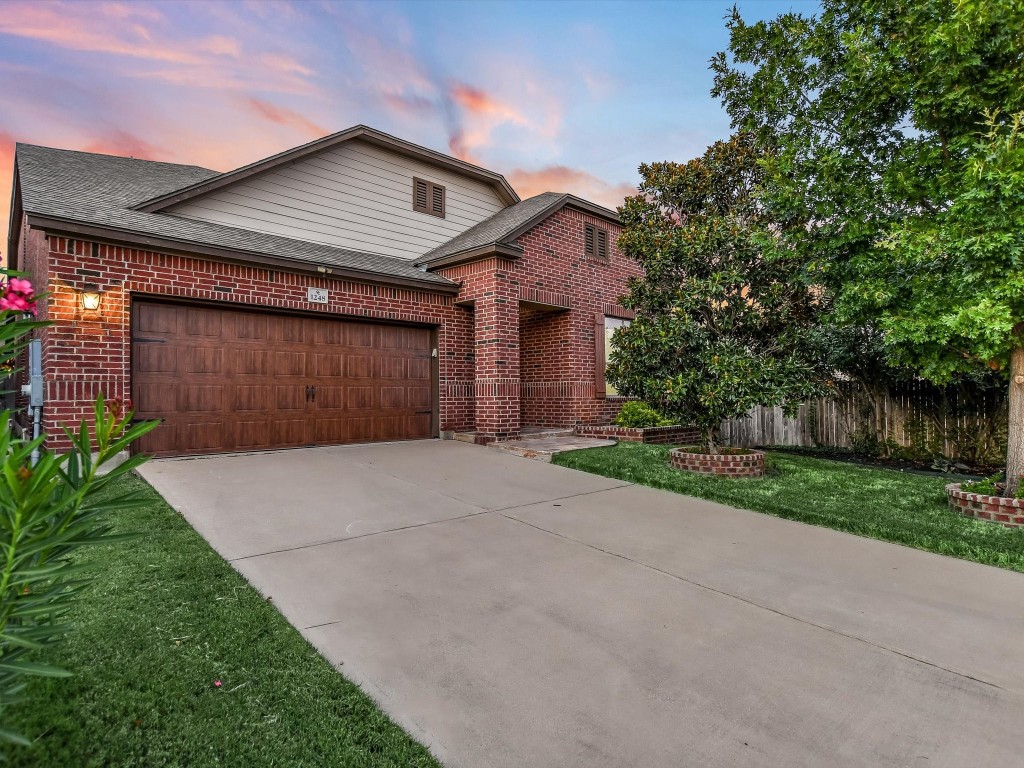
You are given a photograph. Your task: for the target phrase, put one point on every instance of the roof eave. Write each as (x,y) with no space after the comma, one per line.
(173,246)
(370,135)
(14,222)
(477,253)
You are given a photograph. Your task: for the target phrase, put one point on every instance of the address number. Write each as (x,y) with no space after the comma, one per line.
(316,295)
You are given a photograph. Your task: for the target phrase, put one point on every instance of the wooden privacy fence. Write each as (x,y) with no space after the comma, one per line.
(918,421)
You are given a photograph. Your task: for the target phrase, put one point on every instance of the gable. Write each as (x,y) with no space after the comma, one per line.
(353,195)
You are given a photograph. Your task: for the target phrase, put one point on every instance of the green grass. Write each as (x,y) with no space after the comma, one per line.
(880,503)
(165,619)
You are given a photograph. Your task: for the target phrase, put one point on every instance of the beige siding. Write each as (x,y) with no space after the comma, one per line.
(356,196)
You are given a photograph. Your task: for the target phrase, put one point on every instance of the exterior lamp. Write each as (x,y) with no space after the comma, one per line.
(90,298)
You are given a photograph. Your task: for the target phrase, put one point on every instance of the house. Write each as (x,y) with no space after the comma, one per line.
(356,288)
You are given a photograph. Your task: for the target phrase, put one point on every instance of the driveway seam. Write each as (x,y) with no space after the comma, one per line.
(422,525)
(748,601)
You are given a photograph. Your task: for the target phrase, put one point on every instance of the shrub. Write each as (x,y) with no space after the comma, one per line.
(50,506)
(988,486)
(637,415)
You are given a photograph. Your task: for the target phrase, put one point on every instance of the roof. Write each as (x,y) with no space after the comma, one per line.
(361,132)
(501,230)
(64,190)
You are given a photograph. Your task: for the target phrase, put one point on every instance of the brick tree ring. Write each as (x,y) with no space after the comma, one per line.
(996,509)
(739,463)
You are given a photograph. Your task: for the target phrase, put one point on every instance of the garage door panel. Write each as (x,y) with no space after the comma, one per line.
(252,327)
(224,379)
(329,364)
(389,427)
(204,398)
(290,398)
(156,358)
(418,425)
(204,360)
(360,398)
(290,364)
(253,435)
(330,397)
(359,367)
(254,397)
(418,368)
(392,397)
(251,362)
(204,435)
(207,324)
(418,397)
(358,335)
(390,368)
(156,319)
(289,432)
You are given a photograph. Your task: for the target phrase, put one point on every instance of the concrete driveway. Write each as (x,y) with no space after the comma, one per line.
(508,612)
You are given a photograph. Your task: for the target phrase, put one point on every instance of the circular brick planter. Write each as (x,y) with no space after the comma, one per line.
(745,464)
(998,509)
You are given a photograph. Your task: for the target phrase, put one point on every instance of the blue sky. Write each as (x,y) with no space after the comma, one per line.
(566,96)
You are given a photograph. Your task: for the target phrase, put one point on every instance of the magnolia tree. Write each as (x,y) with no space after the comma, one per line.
(726,314)
(49,509)
(898,129)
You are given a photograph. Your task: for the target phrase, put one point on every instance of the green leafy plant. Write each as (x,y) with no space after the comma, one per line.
(725,318)
(898,136)
(638,415)
(988,486)
(49,507)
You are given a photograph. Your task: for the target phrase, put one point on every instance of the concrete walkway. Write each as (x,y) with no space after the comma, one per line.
(509,612)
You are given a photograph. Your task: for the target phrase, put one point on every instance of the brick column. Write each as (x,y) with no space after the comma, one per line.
(496,342)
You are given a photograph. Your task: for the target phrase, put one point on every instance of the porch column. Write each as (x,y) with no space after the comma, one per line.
(496,340)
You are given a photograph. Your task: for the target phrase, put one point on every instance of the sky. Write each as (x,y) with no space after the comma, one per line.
(558,96)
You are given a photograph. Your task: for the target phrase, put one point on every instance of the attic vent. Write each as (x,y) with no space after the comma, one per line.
(595,242)
(428,197)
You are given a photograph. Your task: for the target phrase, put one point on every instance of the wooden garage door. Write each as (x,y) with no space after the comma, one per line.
(232,380)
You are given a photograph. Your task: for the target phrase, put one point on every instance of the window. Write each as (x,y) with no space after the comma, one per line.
(428,197)
(595,242)
(604,329)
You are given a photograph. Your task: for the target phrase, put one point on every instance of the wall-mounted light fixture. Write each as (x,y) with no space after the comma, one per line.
(90,297)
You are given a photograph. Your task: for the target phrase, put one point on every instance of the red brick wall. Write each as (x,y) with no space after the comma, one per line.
(558,349)
(88,353)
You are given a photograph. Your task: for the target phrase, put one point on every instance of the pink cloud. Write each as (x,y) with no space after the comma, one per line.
(79,27)
(285,64)
(286,117)
(221,45)
(561,178)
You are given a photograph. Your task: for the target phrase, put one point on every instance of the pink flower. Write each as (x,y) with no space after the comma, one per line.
(217,683)
(20,286)
(18,296)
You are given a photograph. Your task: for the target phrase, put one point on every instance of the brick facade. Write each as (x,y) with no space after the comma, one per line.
(997,509)
(741,463)
(516,346)
(671,435)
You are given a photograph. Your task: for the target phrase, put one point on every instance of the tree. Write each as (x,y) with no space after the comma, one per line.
(898,130)
(725,312)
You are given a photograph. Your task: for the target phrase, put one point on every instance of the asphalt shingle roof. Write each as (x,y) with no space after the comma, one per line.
(99,190)
(498,227)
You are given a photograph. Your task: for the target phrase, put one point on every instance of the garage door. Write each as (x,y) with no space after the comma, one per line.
(231,380)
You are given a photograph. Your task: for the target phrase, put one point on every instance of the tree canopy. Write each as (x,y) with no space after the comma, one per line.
(725,313)
(898,135)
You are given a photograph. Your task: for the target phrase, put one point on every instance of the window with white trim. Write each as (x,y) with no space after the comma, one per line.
(610,324)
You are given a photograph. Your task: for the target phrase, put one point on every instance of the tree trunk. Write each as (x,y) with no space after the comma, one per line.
(1015,433)
(709,440)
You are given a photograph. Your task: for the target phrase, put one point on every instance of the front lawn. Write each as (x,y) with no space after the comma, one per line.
(167,618)
(880,503)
